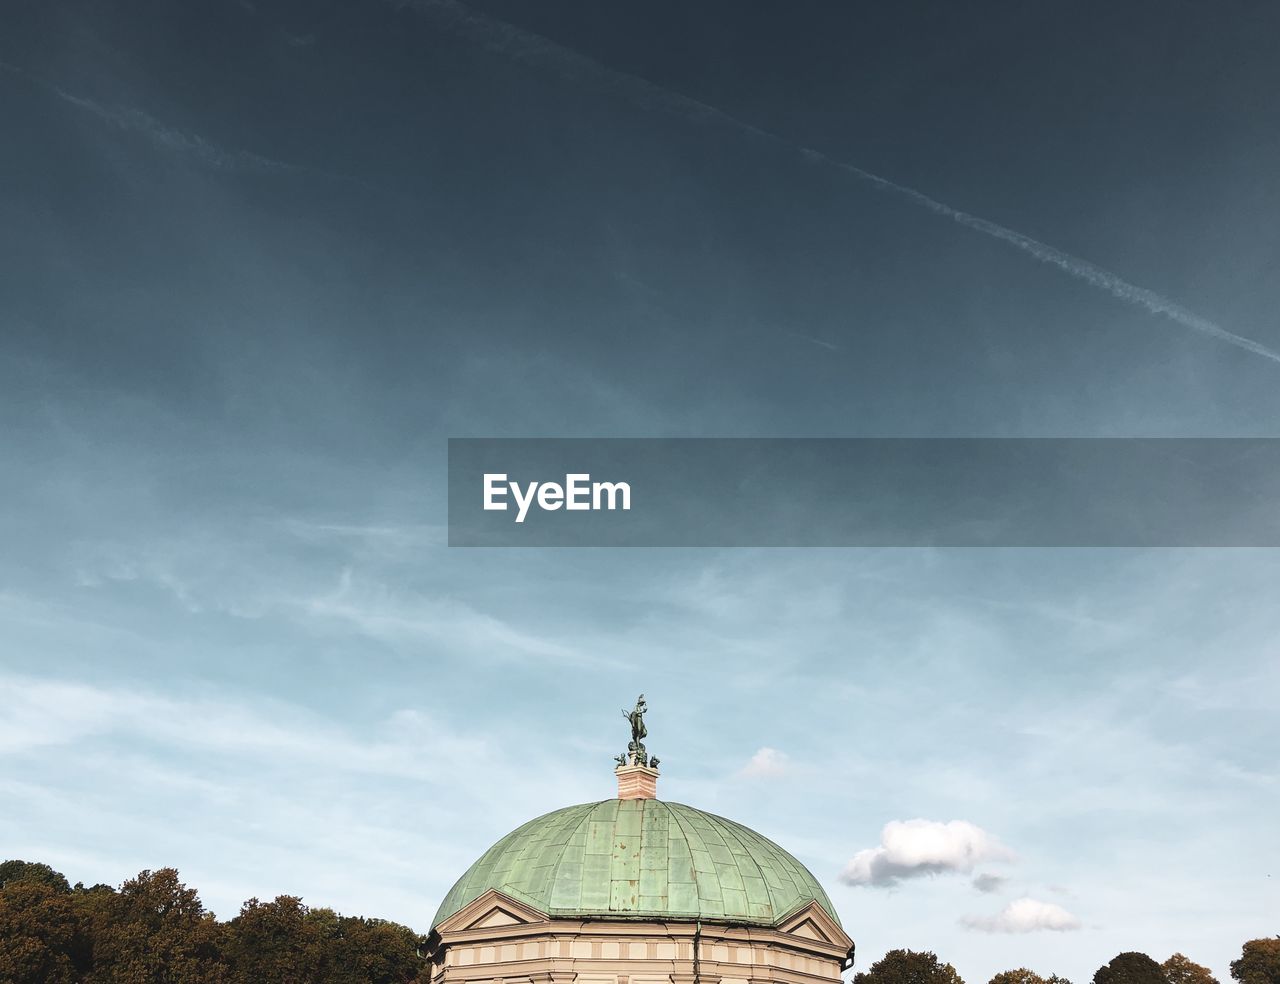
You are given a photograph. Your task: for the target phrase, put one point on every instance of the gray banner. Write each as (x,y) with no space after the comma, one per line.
(872,492)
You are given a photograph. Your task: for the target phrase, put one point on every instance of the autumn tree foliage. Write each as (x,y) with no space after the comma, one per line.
(16,871)
(43,938)
(1130,967)
(909,967)
(1022,975)
(155,930)
(1259,963)
(1183,970)
(288,942)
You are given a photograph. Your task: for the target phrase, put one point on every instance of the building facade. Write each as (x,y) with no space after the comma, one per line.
(636,890)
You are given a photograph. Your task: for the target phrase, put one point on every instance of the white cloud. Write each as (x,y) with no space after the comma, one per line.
(767,763)
(379,612)
(211,573)
(987,882)
(1024,916)
(375,815)
(41,713)
(911,848)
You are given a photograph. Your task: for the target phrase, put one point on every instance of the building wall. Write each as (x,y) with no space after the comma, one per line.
(553,951)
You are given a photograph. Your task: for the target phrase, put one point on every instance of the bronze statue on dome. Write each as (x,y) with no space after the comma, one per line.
(636,717)
(637,754)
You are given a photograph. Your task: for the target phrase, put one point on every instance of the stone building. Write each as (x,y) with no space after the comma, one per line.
(636,890)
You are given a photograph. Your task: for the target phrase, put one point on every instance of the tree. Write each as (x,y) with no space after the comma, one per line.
(286,942)
(1024,976)
(1182,970)
(1130,968)
(909,967)
(42,937)
(1019,976)
(13,871)
(371,951)
(1259,963)
(271,941)
(155,930)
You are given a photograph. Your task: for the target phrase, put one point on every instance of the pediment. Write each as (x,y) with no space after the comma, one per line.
(807,927)
(813,922)
(492,910)
(498,916)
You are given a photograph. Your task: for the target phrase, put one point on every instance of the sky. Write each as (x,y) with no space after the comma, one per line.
(260,260)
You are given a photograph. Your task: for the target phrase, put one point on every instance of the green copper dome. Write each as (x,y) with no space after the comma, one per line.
(641,858)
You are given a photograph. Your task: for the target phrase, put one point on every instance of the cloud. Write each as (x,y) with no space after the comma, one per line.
(1024,916)
(543,54)
(767,763)
(912,848)
(249,795)
(254,740)
(43,712)
(377,611)
(988,883)
(207,573)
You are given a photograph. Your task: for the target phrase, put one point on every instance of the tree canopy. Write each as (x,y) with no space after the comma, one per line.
(14,871)
(1259,963)
(1022,975)
(1183,970)
(1130,967)
(1019,976)
(909,967)
(155,930)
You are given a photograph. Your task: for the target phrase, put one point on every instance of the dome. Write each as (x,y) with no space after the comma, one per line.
(641,859)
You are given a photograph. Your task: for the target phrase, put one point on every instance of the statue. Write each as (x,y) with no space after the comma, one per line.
(636,752)
(636,717)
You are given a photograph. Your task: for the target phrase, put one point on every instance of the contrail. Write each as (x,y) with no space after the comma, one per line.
(546,55)
(1073,265)
(821,343)
(167,138)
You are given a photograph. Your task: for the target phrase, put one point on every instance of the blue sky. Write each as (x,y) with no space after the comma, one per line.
(262,260)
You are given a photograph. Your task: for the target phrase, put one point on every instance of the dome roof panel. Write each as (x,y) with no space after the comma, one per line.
(641,858)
